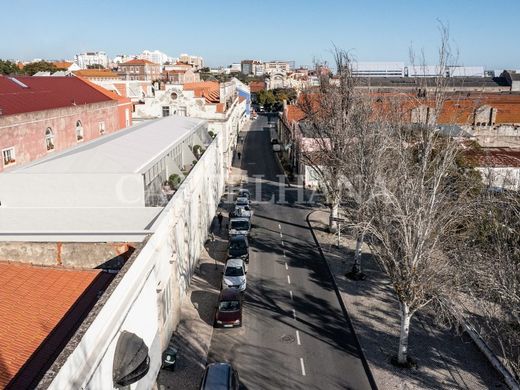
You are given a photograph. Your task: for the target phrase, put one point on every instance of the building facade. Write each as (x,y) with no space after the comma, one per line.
(137,69)
(43,115)
(84,60)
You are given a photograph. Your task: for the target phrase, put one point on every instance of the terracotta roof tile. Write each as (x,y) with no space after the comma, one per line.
(40,308)
(138,61)
(98,73)
(62,64)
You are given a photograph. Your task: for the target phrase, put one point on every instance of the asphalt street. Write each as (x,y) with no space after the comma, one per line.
(294,333)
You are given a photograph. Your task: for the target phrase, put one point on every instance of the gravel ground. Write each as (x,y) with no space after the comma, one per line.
(444,359)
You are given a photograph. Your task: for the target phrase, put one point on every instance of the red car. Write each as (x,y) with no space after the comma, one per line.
(229,309)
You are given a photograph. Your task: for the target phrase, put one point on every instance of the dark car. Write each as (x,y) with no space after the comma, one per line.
(229,308)
(220,376)
(238,248)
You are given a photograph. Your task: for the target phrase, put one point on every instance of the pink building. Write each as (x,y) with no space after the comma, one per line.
(42,115)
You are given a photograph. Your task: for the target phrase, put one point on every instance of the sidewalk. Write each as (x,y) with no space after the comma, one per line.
(192,338)
(445,360)
(193,334)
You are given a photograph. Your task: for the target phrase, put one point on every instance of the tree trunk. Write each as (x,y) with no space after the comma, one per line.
(402,356)
(334,210)
(357,255)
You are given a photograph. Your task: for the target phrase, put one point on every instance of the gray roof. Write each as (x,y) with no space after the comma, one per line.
(412,82)
(76,224)
(131,150)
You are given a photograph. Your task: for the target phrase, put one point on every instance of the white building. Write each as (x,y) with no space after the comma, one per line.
(94,196)
(450,71)
(196,61)
(278,67)
(91,58)
(155,56)
(378,69)
(217,103)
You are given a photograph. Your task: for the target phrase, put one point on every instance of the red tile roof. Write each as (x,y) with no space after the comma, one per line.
(495,158)
(138,61)
(106,92)
(256,86)
(207,89)
(40,309)
(27,94)
(98,73)
(294,114)
(62,64)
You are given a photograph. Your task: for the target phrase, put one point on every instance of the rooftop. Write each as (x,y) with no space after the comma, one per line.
(138,61)
(98,73)
(28,94)
(40,309)
(495,157)
(110,153)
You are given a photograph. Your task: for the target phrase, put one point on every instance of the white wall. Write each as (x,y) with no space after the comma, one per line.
(162,269)
(71,190)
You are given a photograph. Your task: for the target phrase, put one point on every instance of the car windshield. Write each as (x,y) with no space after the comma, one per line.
(234,271)
(229,306)
(240,225)
(238,244)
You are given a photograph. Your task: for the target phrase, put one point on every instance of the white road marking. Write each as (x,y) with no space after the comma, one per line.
(281,235)
(294,313)
(298,338)
(303,366)
(279,226)
(290,293)
(283,243)
(286,267)
(288,279)
(284,253)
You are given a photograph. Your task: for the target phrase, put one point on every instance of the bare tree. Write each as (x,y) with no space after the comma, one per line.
(327,119)
(418,205)
(490,260)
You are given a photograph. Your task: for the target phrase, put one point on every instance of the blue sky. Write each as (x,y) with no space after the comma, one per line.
(484,32)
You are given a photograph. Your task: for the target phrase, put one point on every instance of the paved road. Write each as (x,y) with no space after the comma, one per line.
(294,334)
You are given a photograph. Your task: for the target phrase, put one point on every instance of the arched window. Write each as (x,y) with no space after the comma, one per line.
(49,139)
(79,131)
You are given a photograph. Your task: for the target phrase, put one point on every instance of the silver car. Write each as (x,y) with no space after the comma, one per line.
(235,274)
(239,225)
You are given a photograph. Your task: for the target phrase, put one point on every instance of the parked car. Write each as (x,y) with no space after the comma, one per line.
(229,309)
(241,212)
(234,275)
(239,225)
(238,248)
(220,376)
(242,201)
(244,193)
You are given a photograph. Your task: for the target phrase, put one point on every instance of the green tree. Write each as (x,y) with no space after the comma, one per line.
(40,66)
(8,67)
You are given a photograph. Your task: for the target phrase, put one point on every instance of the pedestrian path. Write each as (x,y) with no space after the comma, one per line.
(445,360)
(192,338)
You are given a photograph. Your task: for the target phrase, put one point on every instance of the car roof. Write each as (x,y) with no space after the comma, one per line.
(229,294)
(238,237)
(234,263)
(239,219)
(217,376)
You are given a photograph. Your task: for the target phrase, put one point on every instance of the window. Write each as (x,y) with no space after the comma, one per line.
(166,111)
(101,128)
(49,139)
(8,156)
(79,131)
(181,111)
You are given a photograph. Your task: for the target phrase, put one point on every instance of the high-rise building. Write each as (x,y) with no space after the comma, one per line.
(84,60)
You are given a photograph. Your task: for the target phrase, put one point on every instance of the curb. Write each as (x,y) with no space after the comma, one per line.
(371,379)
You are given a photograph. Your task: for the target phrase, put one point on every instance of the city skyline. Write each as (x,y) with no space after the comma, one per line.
(230,33)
